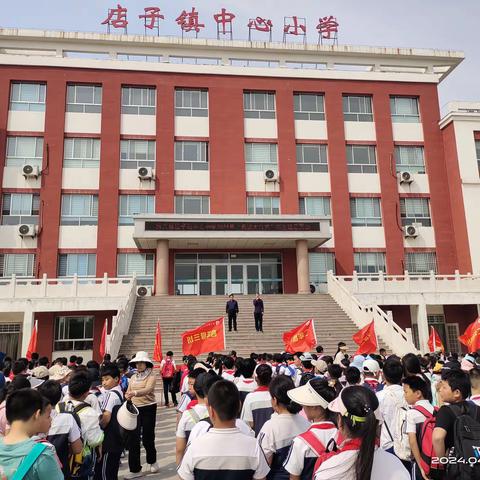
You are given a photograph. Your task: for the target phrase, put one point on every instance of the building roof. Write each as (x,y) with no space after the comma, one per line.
(460,111)
(198,55)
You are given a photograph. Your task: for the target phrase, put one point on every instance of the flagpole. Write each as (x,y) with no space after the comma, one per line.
(314,332)
(224,337)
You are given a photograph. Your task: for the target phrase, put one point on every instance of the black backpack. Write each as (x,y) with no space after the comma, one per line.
(466,448)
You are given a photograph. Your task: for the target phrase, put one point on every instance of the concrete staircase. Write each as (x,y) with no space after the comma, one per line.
(282,312)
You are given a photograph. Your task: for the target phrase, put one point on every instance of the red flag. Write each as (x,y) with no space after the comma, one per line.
(209,337)
(434,341)
(366,339)
(471,336)
(301,338)
(32,345)
(157,349)
(103,340)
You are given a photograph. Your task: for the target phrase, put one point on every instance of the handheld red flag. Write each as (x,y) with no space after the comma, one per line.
(434,341)
(301,338)
(366,339)
(157,349)
(209,337)
(103,340)
(32,344)
(471,336)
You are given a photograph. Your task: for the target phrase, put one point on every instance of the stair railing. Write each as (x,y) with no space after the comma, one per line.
(395,337)
(121,322)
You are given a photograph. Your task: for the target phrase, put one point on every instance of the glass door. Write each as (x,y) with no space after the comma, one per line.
(253,279)
(237,279)
(205,277)
(221,280)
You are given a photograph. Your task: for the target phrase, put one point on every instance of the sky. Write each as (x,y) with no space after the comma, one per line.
(439,24)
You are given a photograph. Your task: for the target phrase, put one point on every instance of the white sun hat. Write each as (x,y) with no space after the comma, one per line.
(127,416)
(141,357)
(308,396)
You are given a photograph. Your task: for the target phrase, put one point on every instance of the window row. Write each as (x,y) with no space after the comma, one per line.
(194,103)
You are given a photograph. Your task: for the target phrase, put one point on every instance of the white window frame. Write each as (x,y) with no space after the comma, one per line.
(147,104)
(203,201)
(306,207)
(319,264)
(355,165)
(253,205)
(365,112)
(254,166)
(24,105)
(144,277)
(191,102)
(308,166)
(201,161)
(410,158)
(73,260)
(10,263)
(301,112)
(430,260)
(127,203)
(61,334)
(369,263)
(415,210)
(29,212)
(405,117)
(477,150)
(129,152)
(18,161)
(91,147)
(90,218)
(253,108)
(364,221)
(95,106)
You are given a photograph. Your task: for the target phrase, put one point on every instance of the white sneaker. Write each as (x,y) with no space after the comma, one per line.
(130,475)
(154,468)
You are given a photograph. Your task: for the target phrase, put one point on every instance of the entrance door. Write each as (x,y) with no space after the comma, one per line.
(253,279)
(221,280)
(10,339)
(237,279)
(205,278)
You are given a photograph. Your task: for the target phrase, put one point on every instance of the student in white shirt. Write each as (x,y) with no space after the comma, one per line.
(228,371)
(474,375)
(356,457)
(314,396)
(223,452)
(417,393)
(277,434)
(245,382)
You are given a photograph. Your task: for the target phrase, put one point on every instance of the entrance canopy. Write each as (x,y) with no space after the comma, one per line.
(230,231)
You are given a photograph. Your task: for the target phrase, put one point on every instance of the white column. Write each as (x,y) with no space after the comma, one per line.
(303,273)
(162,260)
(27,328)
(420,314)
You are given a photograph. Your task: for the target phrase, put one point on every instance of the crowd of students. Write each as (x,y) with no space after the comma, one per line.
(281,416)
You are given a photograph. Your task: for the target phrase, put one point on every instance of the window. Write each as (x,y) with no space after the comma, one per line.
(191,103)
(84,98)
(421,262)
(365,212)
(315,206)
(19,264)
(79,210)
(28,97)
(357,108)
(81,153)
(477,149)
(320,263)
(23,150)
(81,264)
(73,333)
(263,205)
(311,158)
(415,210)
(142,264)
(134,205)
(137,153)
(191,156)
(361,159)
(192,204)
(18,208)
(308,106)
(261,156)
(259,104)
(138,101)
(410,159)
(404,109)
(369,263)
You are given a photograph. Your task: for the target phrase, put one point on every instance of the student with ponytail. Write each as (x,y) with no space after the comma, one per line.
(357,457)
(278,433)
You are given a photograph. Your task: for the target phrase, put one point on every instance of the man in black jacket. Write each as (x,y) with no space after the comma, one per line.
(232,309)
(258,313)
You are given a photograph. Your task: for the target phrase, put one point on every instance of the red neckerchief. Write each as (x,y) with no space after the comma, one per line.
(192,404)
(261,389)
(229,372)
(322,426)
(475,397)
(349,444)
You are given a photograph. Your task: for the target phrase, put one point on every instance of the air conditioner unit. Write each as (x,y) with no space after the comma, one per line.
(405,177)
(30,171)
(27,230)
(145,173)
(411,231)
(144,291)
(270,176)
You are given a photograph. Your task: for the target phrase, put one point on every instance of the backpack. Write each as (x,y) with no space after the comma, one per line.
(424,437)
(175,386)
(466,446)
(168,369)
(401,443)
(80,465)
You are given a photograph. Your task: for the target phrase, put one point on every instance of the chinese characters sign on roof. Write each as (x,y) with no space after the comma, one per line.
(190,21)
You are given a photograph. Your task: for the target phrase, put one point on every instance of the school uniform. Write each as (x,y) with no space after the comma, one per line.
(204,425)
(184,401)
(245,386)
(276,438)
(302,457)
(389,398)
(223,454)
(257,408)
(228,375)
(475,399)
(189,419)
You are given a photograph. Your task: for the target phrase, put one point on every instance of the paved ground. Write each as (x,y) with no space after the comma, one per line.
(165,443)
